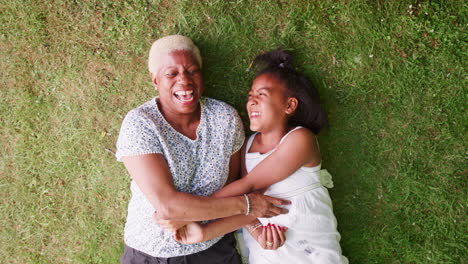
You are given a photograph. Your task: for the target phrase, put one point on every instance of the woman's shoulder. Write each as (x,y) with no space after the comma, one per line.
(147,107)
(217,106)
(139,114)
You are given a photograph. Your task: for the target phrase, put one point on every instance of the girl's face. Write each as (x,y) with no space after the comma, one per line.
(268,106)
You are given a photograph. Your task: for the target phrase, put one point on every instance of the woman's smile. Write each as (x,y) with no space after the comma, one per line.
(184,96)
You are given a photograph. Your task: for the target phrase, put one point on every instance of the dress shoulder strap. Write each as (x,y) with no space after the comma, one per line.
(252,137)
(249,142)
(290,131)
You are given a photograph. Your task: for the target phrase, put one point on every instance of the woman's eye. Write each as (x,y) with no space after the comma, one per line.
(171,74)
(192,72)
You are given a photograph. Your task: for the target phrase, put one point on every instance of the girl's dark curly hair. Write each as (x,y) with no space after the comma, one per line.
(309,113)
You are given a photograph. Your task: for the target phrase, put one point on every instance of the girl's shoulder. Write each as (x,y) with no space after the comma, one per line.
(303,142)
(299,135)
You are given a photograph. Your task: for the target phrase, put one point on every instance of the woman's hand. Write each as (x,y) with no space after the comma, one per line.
(270,237)
(266,206)
(170,225)
(190,233)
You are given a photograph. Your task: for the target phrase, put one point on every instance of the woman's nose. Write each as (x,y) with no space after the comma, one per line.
(184,78)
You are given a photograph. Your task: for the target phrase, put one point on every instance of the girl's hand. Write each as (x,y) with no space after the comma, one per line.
(190,233)
(271,237)
(170,225)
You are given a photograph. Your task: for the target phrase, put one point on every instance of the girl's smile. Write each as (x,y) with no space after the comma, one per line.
(254,114)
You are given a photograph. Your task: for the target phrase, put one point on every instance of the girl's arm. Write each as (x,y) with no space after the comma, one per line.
(298,149)
(152,175)
(234,167)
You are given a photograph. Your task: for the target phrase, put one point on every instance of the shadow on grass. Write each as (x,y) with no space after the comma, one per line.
(347,157)
(343,145)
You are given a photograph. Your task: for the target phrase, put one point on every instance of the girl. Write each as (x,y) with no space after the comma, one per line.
(283,156)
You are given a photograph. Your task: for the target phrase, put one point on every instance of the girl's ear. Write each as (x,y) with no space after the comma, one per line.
(155,82)
(291,105)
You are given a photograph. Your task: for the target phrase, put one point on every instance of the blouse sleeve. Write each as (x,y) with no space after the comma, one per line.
(239,135)
(137,136)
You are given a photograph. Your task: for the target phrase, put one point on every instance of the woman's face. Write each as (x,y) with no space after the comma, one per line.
(267,105)
(179,82)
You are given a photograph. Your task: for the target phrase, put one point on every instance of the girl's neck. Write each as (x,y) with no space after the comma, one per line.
(268,140)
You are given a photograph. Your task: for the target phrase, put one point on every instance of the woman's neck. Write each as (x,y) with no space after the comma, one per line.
(186,124)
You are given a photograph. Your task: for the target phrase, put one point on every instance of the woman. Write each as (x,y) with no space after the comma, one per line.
(179,148)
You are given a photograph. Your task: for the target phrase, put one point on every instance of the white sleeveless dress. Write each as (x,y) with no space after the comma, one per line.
(312,236)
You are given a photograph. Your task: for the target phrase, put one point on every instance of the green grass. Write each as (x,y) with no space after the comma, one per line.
(391,75)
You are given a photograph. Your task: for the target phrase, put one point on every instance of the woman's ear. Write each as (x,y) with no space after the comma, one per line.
(291,105)
(155,82)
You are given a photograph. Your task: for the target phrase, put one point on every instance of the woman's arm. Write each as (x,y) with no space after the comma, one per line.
(174,225)
(196,233)
(298,148)
(152,175)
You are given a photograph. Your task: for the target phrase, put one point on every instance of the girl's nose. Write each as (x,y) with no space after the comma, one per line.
(252,101)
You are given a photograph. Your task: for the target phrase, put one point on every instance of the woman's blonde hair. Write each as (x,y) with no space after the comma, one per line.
(169,44)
